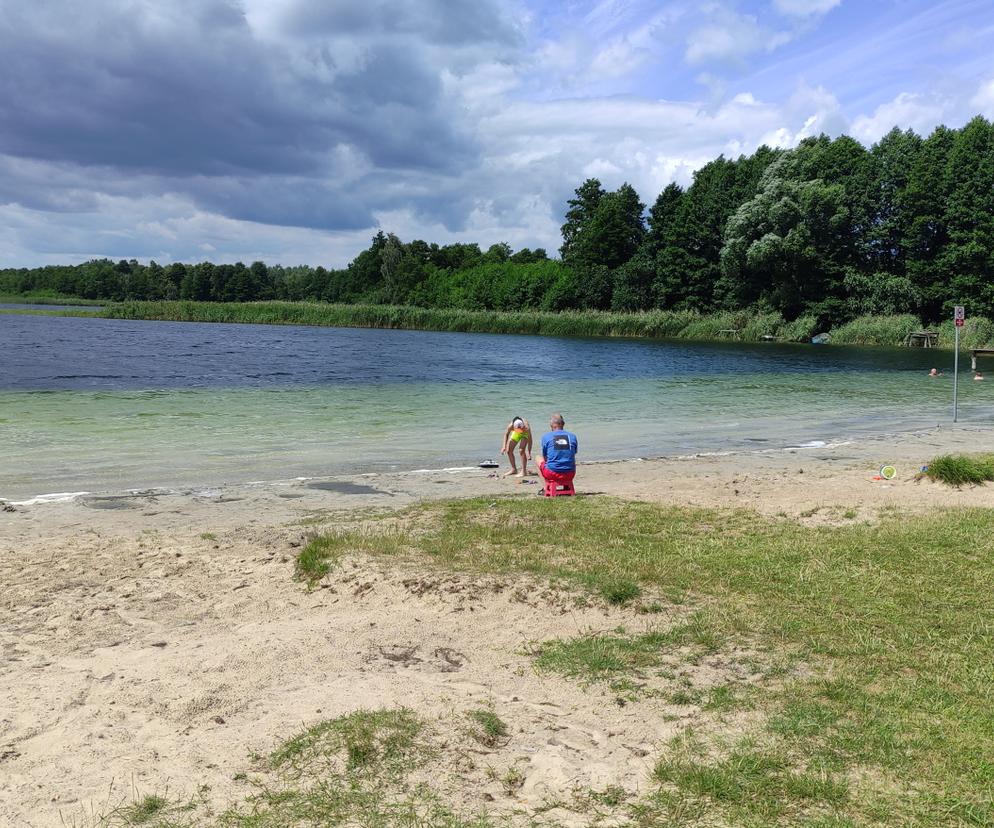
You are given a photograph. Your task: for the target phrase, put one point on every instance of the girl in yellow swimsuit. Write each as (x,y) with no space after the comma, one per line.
(517,435)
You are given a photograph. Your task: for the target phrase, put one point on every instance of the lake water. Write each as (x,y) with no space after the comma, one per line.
(105,405)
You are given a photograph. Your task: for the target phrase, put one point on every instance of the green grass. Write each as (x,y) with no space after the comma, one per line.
(150,811)
(962,469)
(488,728)
(882,713)
(49,299)
(145,810)
(591,658)
(348,771)
(366,742)
(747,325)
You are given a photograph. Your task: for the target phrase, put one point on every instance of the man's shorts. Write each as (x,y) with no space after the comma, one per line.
(554,476)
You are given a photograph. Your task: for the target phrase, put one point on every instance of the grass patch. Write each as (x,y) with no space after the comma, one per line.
(752,786)
(365,742)
(591,658)
(318,557)
(149,811)
(145,810)
(352,770)
(488,728)
(322,553)
(961,469)
(891,621)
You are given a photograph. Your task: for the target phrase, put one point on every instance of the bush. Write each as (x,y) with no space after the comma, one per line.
(960,469)
(876,330)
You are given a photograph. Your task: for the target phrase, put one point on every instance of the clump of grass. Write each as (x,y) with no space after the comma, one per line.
(364,742)
(512,780)
(208,536)
(323,552)
(352,770)
(619,591)
(489,729)
(600,657)
(317,557)
(145,809)
(962,469)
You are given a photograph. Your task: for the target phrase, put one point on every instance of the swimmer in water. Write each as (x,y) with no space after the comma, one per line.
(934,373)
(517,435)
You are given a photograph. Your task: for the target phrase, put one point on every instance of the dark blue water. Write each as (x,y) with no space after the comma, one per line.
(64,353)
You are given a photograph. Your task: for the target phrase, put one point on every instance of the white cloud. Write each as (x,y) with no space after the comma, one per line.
(805,8)
(983,101)
(730,37)
(907,111)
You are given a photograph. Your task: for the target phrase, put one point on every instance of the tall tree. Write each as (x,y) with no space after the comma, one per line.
(581,211)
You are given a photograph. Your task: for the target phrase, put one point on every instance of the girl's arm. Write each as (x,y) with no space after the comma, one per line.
(507,431)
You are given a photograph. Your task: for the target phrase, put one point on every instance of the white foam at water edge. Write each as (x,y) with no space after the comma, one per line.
(54,497)
(809,444)
(446,469)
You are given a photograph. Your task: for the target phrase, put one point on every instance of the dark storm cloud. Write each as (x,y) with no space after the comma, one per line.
(440,22)
(189,98)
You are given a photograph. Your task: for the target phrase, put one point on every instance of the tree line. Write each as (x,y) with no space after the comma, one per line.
(830,229)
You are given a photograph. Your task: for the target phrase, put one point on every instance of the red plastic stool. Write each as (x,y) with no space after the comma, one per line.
(556,488)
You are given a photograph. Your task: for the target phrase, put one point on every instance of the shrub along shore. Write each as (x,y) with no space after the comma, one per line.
(744,325)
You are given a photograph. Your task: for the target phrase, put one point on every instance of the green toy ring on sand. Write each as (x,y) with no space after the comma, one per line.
(888,472)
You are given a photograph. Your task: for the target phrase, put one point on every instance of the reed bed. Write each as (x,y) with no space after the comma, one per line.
(749,325)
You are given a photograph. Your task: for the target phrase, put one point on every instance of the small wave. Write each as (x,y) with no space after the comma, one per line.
(54,497)
(809,444)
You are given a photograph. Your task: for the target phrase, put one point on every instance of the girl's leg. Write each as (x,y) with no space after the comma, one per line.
(524,462)
(510,457)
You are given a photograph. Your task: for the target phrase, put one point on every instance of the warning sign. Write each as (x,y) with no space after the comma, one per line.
(959,315)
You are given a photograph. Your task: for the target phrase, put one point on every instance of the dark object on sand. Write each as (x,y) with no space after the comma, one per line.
(489,464)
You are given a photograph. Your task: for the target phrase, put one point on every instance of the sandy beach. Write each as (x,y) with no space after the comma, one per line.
(155,641)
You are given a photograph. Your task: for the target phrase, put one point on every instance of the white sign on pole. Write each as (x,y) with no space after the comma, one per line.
(959,315)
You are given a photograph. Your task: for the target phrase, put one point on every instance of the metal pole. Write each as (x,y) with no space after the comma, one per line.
(955,372)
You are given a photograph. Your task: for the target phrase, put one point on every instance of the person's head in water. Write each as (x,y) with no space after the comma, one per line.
(978,376)
(934,372)
(557,422)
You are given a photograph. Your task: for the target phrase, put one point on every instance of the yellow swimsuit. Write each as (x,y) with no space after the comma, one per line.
(518,435)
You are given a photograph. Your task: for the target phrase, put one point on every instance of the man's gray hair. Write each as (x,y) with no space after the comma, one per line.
(557,419)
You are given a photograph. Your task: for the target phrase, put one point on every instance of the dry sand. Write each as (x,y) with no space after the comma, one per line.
(154,642)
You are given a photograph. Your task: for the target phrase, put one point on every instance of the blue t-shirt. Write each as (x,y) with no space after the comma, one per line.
(559,450)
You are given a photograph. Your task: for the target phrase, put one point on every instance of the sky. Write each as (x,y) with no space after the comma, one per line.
(290,131)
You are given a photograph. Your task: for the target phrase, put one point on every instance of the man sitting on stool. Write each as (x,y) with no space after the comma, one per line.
(558,461)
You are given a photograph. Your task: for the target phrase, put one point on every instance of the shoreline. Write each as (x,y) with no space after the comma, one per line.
(746,325)
(834,474)
(209,488)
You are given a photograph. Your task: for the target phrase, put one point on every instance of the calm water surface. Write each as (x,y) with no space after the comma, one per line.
(97,404)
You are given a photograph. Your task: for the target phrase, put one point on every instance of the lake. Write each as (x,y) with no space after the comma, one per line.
(109,405)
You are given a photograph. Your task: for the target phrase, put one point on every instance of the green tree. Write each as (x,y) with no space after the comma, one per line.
(581,211)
